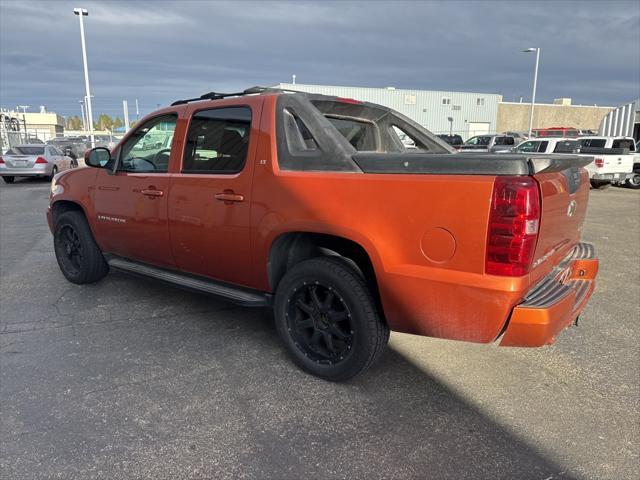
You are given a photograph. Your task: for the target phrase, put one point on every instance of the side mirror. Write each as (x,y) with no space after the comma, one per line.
(97,157)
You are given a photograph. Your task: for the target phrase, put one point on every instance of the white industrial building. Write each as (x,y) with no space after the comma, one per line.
(624,120)
(464,113)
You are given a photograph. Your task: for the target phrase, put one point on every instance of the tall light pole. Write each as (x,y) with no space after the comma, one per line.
(84,122)
(535,81)
(81,12)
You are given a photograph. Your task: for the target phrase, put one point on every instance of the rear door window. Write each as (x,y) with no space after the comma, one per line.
(217,141)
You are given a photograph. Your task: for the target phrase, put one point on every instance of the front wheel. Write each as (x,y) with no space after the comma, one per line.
(328,319)
(78,256)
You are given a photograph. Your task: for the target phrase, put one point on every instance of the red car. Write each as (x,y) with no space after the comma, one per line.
(314,206)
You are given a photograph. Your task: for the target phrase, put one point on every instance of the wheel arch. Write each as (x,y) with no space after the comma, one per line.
(61,206)
(291,248)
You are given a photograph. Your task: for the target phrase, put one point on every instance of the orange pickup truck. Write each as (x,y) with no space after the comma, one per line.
(313,205)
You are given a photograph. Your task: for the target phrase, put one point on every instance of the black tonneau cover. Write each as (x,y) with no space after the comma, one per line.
(466,163)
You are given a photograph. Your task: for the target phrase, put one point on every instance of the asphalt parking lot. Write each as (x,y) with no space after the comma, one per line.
(131,378)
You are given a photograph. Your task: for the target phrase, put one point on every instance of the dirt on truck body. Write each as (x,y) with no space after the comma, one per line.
(317,207)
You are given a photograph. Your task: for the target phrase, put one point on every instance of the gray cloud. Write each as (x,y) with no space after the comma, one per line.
(158,51)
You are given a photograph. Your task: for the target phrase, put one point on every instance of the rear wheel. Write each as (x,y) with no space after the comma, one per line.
(78,256)
(8,179)
(634,181)
(600,184)
(54,170)
(328,319)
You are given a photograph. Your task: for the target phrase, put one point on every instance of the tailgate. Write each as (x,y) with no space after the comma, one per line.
(564,195)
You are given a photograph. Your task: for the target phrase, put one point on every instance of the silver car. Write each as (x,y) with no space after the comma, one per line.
(33,160)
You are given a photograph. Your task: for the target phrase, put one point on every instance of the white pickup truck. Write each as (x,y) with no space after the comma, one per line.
(549,145)
(614,162)
(616,159)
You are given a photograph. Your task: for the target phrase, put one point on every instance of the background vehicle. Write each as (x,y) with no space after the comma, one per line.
(314,205)
(454,140)
(633,181)
(71,146)
(549,145)
(33,161)
(555,132)
(614,159)
(518,136)
(488,143)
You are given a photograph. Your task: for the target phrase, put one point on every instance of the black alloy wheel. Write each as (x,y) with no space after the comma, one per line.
(72,251)
(78,255)
(320,323)
(328,319)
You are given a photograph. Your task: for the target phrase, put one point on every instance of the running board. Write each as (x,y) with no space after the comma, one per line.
(238,295)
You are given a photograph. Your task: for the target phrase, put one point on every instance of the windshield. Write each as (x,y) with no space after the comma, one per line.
(26,151)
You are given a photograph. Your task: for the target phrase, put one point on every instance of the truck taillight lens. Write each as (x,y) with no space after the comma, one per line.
(41,160)
(514,221)
(599,162)
(1,160)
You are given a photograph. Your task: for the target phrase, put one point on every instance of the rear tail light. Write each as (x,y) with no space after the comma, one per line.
(41,160)
(514,221)
(599,162)
(1,160)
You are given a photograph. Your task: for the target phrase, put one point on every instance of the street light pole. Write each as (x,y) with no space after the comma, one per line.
(535,82)
(81,12)
(84,122)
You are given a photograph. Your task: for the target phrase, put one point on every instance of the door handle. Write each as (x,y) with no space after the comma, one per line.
(149,192)
(229,196)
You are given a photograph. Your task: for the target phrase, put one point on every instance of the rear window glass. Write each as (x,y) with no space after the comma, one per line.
(361,135)
(410,143)
(623,143)
(566,147)
(26,151)
(593,142)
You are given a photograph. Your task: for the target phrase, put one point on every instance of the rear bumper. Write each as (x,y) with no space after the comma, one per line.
(555,302)
(610,176)
(27,172)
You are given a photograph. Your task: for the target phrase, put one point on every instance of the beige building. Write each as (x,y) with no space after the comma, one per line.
(45,126)
(514,116)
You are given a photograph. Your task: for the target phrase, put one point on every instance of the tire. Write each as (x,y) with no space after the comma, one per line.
(328,320)
(54,170)
(79,258)
(8,179)
(600,184)
(633,182)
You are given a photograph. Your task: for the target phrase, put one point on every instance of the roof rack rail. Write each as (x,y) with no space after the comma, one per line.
(218,96)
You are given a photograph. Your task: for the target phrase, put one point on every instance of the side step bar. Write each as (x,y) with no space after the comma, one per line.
(238,295)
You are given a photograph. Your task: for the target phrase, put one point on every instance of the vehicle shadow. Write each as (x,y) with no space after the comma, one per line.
(394,421)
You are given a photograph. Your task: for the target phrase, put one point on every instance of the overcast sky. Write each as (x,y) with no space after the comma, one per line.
(158,51)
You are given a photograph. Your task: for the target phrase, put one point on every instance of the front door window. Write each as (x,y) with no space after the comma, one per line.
(148,149)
